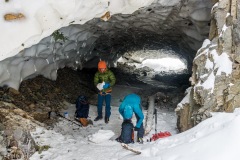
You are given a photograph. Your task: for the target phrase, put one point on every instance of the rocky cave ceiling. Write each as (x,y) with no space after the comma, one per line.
(172,28)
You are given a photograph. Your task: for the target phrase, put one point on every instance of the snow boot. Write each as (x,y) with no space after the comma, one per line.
(98,118)
(140,140)
(106,119)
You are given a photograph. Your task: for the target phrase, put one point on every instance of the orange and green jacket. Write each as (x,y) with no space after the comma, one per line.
(107,77)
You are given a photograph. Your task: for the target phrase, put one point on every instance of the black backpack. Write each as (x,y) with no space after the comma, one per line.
(127,132)
(82,107)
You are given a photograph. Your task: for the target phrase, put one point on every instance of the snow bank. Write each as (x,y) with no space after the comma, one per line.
(101,136)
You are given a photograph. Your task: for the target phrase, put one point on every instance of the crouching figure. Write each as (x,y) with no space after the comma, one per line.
(131,104)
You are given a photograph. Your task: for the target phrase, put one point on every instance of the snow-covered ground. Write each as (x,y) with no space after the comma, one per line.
(213,139)
(97,141)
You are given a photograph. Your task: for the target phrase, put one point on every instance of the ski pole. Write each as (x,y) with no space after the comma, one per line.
(155,111)
(69,120)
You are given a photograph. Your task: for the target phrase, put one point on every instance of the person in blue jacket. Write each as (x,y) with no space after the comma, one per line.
(132,104)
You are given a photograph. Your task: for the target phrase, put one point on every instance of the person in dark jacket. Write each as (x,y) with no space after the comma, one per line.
(132,104)
(104,80)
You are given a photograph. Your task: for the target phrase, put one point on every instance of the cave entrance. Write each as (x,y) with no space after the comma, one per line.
(149,54)
(143,59)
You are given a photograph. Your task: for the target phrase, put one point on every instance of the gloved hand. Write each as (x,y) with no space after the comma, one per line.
(136,129)
(99,86)
(106,85)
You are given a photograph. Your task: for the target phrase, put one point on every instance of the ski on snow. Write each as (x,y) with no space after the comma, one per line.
(127,147)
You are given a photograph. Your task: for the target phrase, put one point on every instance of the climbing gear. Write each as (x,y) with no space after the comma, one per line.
(82,107)
(127,147)
(127,135)
(132,135)
(69,120)
(160,135)
(104,93)
(155,112)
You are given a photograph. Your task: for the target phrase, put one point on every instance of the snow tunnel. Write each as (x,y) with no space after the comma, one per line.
(148,45)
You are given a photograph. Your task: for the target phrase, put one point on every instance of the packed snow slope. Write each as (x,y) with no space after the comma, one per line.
(215,138)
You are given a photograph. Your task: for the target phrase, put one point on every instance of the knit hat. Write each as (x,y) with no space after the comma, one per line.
(102,64)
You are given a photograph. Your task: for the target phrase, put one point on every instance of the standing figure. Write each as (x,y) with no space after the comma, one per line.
(106,79)
(132,104)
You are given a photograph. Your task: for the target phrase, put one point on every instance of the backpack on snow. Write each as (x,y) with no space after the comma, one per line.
(127,133)
(82,107)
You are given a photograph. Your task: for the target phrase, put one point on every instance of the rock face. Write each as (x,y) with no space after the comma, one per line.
(216,77)
(35,105)
(16,141)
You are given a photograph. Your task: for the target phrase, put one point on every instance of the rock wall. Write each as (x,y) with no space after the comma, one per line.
(16,141)
(216,69)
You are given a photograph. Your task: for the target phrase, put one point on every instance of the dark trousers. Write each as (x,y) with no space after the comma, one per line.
(107,98)
(140,133)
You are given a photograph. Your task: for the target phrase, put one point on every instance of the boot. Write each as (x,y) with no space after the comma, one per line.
(106,119)
(140,140)
(98,118)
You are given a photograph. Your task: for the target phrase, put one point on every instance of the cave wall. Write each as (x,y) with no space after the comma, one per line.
(216,77)
(59,34)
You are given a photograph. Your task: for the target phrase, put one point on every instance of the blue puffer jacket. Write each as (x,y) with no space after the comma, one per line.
(134,101)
